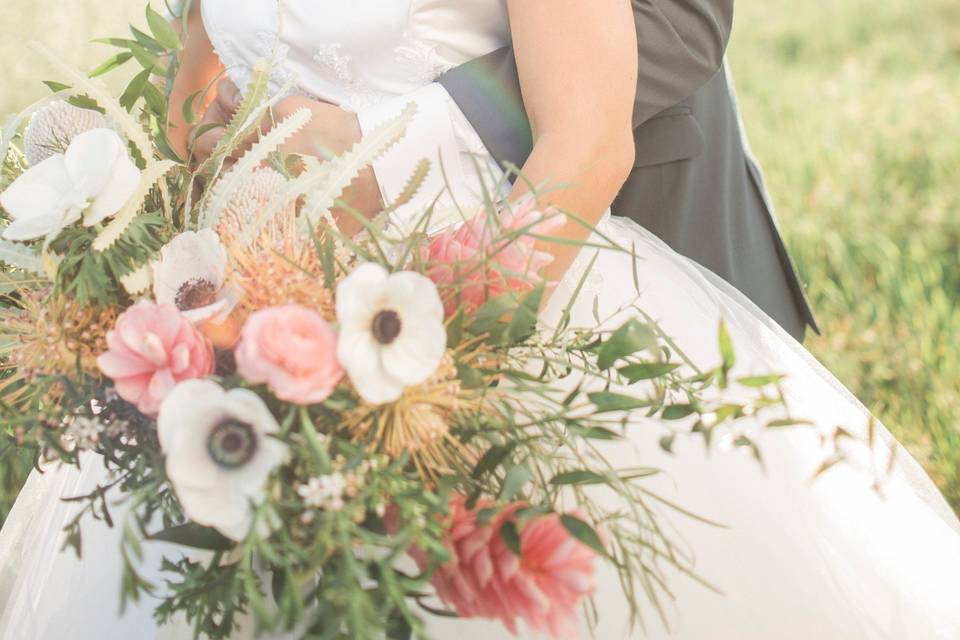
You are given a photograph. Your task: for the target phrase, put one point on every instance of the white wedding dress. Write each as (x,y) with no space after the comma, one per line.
(796,558)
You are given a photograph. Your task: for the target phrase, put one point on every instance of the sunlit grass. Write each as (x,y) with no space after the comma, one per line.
(852,107)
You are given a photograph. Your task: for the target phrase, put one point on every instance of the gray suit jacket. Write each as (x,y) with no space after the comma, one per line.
(695,183)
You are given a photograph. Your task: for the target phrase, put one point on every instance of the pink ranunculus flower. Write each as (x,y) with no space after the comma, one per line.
(471,262)
(292,350)
(543,586)
(151,349)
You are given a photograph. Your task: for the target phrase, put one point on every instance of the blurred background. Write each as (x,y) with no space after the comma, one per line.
(853,107)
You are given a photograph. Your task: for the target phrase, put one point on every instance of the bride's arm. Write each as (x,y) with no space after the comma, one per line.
(578,73)
(199,67)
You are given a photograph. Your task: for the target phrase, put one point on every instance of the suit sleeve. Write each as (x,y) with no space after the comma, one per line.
(681,45)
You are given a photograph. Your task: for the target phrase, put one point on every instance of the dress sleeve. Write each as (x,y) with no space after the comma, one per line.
(439,133)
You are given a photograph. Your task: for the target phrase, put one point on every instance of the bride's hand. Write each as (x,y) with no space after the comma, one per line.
(331,131)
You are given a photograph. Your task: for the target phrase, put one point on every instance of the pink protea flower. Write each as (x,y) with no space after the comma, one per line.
(543,586)
(472,261)
(291,349)
(151,349)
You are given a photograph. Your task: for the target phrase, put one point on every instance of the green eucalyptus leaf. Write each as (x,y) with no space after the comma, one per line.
(666,442)
(583,532)
(517,478)
(577,478)
(678,411)
(510,536)
(135,90)
(726,352)
(593,433)
(647,371)
(524,319)
(606,401)
(757,382)
(492,312)
(162,31)
(113,62)
(493,458)
(470,377)
(194,536)
(630,338)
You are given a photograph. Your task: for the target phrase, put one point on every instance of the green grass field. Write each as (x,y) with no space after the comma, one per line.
(852,107)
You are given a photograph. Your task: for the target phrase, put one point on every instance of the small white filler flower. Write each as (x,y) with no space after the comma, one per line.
(93,180)
(391,331)
(191,274)
(219,453)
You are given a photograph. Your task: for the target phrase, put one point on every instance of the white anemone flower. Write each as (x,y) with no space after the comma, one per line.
(391,331)
(92,180)
(219,453)
(191,274)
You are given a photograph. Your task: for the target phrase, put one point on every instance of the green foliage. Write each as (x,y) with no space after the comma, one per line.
(93,277)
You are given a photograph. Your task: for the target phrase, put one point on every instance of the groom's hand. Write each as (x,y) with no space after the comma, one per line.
(331,131)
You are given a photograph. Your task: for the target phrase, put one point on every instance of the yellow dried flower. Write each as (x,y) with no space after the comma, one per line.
(419,424)
(50,335)
(278,265)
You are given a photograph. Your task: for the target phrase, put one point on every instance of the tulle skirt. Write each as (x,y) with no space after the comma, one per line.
(861,552)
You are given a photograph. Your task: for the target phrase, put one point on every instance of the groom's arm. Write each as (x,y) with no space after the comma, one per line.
(680,45)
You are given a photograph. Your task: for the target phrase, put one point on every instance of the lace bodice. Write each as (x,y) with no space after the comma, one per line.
(354,53)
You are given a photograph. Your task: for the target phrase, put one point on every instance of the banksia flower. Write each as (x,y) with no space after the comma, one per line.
(250,202)
(53,127)
(51,336)
(272,264)
(419,423)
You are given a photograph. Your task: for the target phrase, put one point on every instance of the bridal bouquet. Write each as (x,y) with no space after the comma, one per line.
(339,432)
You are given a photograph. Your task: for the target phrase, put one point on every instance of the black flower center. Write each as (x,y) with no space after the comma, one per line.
(196,293)
(386,326)
(232,443)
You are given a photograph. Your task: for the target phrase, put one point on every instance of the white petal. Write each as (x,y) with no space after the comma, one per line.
(359,294)
(415,355)
(226,509)
(248,406)
(43,186)
(38,200)
(120,187)
(410,293)
(359,354)
(91,159)
(188,407)
(201,314)
(189,465)
(252,478)
(189,256)
(34,227)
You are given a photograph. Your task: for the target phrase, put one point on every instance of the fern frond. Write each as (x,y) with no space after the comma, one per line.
(341,171)
(251,109)
(19,256)
(410,189)
(154,173)
(323,182)
(230,183)
(98,92)
(138,281)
